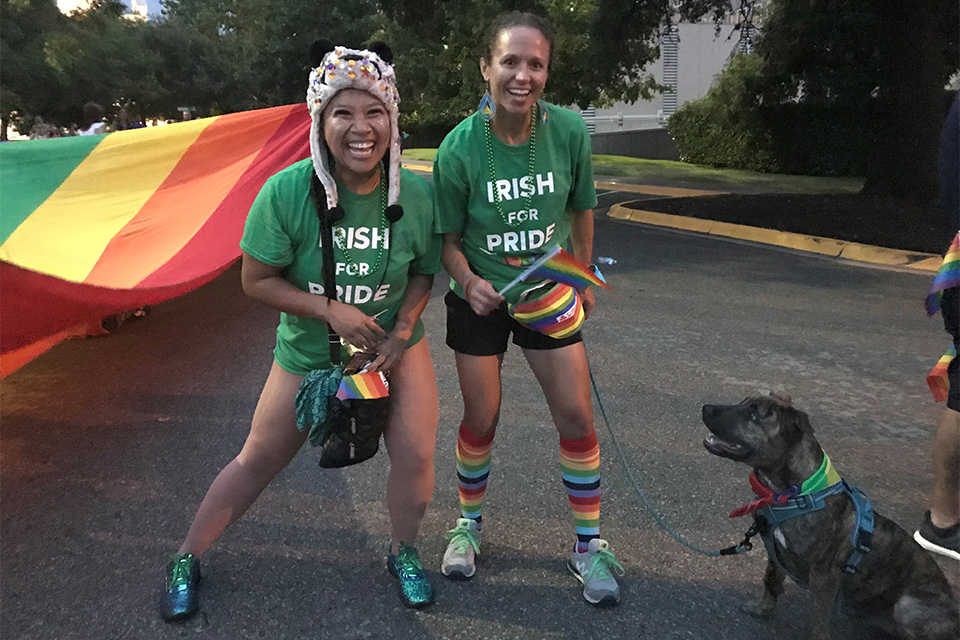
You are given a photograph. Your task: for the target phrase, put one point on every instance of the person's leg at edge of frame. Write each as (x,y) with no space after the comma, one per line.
(564,377)
(940,531)
(410,438)
(272,443)
(480,386)
(945,505)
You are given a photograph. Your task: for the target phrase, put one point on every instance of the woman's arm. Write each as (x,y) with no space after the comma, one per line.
(415,300)
(581,234)
(265,283)
(479,294)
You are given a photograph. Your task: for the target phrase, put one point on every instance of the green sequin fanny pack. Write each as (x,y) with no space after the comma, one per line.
(348,430)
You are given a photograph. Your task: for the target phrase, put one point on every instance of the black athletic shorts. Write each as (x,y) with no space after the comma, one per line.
(474,335)
(950,310)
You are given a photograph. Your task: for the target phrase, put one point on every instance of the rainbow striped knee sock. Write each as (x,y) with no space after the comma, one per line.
(473,468)
(580,467)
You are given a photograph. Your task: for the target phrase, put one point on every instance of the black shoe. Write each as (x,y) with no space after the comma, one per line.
(180,599)
(946,542)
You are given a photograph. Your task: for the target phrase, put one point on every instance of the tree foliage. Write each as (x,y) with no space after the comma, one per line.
(261,45)
(847,87)
(26,81)
(594,61)
(843,86)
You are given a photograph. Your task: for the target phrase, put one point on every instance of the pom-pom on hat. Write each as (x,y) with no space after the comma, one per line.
(336,68)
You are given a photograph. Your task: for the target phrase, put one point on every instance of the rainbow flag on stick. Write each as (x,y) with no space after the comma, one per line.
(948,276)
(937,378)
(96,225)
(364,386)
(557,265)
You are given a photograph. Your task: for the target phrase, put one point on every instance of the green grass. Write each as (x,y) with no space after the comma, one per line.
(669,171)
(419,154)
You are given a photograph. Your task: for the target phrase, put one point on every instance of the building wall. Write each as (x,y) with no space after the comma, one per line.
(702,56)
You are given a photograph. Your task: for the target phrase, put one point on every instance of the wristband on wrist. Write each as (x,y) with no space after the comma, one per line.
(466,285)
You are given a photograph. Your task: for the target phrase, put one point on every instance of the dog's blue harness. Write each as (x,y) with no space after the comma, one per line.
(768,518)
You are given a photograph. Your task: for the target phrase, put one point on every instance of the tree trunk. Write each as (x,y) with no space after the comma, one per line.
(904,161)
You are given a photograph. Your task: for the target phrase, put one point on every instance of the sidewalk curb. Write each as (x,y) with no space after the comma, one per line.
(812,244)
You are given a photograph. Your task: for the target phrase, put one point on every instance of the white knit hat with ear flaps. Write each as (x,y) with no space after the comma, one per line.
(367,70)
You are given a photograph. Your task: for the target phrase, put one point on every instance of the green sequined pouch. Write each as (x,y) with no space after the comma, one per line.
(313,403)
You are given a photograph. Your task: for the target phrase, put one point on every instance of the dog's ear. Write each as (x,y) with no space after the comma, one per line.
(318,49)
(804,423)
(782,398)
(795,424)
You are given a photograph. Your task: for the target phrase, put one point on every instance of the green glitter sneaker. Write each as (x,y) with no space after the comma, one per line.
(180,599)
(415,588)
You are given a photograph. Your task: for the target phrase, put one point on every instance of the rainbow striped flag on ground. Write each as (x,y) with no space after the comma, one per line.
(364,386)
(96,225)
(937,378)
(557,265)
(948,276)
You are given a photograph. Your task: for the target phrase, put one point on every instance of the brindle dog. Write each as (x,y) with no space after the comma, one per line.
(897,587)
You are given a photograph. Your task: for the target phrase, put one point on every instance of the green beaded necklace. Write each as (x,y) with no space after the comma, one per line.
(340,234)
(531,145)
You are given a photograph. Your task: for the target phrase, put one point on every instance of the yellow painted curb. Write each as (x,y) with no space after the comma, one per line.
(893,257)
(661,219)
(812,244)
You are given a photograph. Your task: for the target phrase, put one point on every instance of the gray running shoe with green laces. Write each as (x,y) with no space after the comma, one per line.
(595,570)
(459,560)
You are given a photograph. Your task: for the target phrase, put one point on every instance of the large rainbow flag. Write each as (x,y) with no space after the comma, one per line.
(95,225)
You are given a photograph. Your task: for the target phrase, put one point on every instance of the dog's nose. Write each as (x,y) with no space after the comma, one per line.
(709,410)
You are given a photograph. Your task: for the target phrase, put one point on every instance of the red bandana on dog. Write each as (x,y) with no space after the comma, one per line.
(823,477)
(766,497)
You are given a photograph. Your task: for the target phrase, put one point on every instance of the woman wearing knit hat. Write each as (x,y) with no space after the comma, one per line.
(386,254)
(513,180)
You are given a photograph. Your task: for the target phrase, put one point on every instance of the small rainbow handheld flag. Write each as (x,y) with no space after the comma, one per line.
(948,276)
(557,265)
(937,378)
(363,386)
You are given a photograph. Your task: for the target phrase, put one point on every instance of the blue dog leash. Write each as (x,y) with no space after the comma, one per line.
(741,547)
(766,519)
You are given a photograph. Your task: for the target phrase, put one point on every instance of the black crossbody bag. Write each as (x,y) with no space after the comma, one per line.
(353,426)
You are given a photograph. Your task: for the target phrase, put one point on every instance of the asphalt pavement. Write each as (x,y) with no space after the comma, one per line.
(107,446)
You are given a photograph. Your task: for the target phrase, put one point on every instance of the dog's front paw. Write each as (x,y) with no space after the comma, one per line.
(760,608)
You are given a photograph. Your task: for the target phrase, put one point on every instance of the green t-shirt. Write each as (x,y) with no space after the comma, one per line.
(283,230)
(562,182)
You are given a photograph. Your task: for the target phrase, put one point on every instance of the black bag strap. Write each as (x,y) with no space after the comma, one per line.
(318,193)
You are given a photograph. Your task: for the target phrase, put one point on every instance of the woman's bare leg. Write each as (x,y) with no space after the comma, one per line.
(411,436)
(271,445)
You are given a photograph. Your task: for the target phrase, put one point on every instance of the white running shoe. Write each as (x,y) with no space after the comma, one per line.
(459,560)
(595,570)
